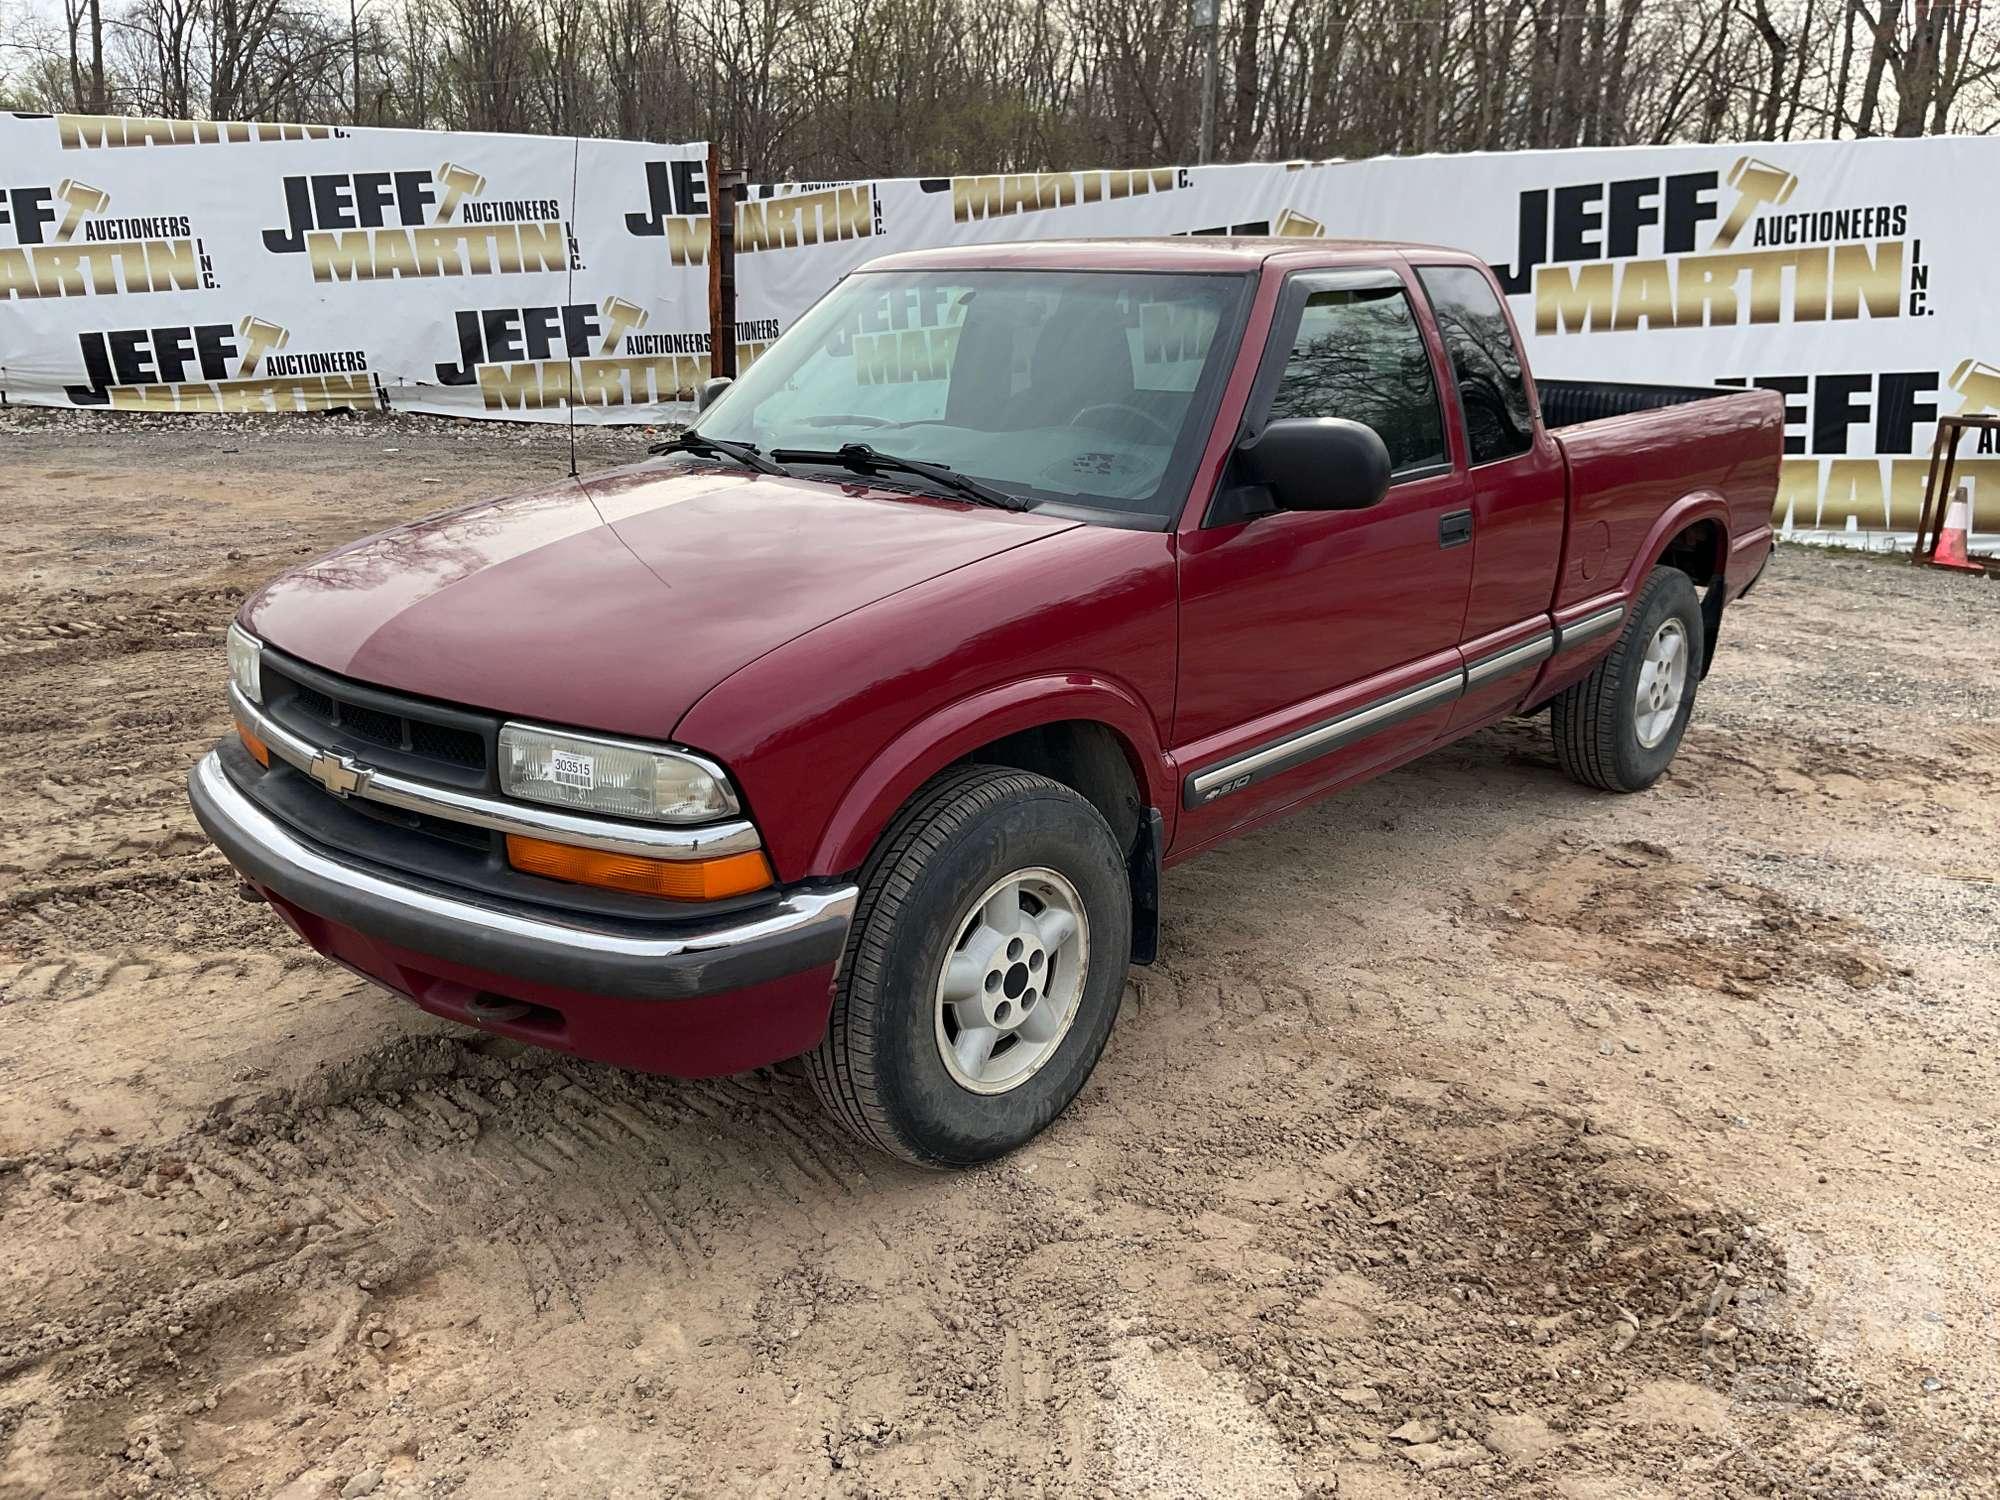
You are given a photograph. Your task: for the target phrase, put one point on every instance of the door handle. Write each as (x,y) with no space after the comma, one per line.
(1455,528)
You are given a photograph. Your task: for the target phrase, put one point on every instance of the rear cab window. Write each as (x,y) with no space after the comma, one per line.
(1485,364)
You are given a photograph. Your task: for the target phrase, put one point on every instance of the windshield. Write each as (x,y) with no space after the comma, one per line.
(1086,388)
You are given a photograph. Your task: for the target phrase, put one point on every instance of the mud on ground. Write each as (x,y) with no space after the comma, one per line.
(1479,1135)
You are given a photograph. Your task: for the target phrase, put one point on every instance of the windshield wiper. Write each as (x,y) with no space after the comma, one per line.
(744,453)
(863,459)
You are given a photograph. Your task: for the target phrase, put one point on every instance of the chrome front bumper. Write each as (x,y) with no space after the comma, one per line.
(806,929)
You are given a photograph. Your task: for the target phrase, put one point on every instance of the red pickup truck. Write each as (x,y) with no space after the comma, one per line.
(859,723)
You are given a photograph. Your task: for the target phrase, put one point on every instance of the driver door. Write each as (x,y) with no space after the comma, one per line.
(1317,646)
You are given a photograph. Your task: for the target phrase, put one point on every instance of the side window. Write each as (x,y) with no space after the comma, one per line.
(1359,355)
(1484,361)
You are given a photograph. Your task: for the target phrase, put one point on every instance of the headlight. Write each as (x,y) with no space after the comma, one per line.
(245,655)
(611,776)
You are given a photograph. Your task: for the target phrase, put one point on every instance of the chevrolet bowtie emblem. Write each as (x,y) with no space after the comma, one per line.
(339,775)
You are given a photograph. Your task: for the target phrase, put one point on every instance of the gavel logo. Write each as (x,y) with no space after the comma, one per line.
(1757,183)
(259,338)
(81,199)
(620,316)
(458,182)
(1297,226)
(1978,387)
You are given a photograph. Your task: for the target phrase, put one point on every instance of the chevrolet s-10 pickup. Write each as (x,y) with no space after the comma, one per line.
(858,724)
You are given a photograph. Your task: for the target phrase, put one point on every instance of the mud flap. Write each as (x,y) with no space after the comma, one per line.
(1143,868)
(1711,622)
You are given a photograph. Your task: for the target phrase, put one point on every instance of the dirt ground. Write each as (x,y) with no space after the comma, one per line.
(1478,1135)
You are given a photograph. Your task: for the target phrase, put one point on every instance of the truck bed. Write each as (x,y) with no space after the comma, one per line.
(1634,452)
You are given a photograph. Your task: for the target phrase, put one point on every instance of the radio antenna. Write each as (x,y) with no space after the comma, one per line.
(569,395)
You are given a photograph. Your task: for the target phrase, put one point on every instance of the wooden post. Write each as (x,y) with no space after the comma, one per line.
(724,183)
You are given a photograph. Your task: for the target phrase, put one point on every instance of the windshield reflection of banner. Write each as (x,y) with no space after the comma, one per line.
(1048,385)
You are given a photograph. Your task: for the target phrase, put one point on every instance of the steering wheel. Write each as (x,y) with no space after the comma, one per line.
(1165,432)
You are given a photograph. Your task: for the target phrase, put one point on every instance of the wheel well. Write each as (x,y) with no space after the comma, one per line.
(1701,552)
(1698,552)
(1087,757)
(1094,761)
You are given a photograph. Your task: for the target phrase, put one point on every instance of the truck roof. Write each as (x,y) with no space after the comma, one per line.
(1159,253)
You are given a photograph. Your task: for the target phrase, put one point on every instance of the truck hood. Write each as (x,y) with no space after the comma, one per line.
(616,602)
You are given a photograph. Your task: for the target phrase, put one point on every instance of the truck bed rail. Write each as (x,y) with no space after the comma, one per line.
(1568,403)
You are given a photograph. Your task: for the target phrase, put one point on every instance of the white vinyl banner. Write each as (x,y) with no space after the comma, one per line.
(169,265)
(1856,277)
(173,265)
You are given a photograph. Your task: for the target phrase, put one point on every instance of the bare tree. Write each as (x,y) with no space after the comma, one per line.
(814,89)
(83,18)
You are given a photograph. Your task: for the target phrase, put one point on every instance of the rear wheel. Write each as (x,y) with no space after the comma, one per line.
(983,970)
(1619,727)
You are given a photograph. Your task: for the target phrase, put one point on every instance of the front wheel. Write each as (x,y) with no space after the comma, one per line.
(1619,727)
(983,970)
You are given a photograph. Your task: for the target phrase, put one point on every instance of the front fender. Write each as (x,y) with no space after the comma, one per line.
(956,730)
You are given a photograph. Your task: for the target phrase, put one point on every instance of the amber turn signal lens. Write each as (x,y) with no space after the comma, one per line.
(254,745)
(676,879)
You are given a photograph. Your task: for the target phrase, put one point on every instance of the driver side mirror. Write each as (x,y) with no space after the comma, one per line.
(710,389)
(1318,463)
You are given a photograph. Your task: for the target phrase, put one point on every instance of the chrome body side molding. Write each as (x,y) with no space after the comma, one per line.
(1589,627)
(1295,749)
(1202,787)
(1512,659)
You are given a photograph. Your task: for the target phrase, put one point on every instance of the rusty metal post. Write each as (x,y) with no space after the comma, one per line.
(725,184)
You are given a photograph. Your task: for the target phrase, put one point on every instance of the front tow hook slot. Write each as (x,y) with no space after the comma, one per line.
(494,1008)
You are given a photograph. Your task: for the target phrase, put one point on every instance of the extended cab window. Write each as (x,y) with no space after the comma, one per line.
(1360,355)
(1484,361)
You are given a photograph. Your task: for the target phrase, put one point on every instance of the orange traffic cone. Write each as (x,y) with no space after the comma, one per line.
(1950,552)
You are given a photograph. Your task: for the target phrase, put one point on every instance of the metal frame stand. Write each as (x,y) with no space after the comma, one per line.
(1937,483)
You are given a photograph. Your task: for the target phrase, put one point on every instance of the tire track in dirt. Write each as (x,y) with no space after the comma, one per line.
(68,630)
(1641,913)
(389,1165)
(187,903)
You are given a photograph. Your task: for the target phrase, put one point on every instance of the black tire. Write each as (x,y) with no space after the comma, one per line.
(1596,721)
(878,1070)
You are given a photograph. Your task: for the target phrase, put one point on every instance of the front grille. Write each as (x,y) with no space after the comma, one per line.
(436,850)
(380,728)
(328,712)
(314,702)
(454,745)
